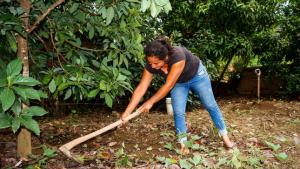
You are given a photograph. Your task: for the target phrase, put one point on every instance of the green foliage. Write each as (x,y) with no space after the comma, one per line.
(281,156)
(122,159)
(275,147)
(48,153)
(82,82)
(292,81)
(111,33)
(77,39)
(16,89)
(200,156)
(220,30)
(156,6)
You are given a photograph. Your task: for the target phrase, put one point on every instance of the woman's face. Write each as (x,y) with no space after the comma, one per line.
(155,62)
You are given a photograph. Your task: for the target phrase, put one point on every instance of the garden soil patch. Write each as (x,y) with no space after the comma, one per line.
(257,129)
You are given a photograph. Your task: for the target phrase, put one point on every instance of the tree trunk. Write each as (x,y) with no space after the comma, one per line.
(24,137)
(223,72)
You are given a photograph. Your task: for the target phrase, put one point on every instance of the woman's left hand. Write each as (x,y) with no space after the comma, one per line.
(146,106)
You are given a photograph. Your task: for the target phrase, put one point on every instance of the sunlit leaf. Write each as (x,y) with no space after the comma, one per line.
(52,86)
(93,93)
(102,85)
(145,4)
(168,7)
(110,15)
(161,2)
(153,9)
(121,77)
(136,1)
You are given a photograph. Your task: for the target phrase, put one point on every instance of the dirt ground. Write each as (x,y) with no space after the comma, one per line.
(267,135)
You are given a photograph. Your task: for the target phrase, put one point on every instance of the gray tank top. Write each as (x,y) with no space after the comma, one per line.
(180,53)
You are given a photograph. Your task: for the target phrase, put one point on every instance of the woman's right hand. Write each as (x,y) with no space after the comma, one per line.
(123,117)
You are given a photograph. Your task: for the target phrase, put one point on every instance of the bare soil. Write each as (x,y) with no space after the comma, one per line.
(139,143)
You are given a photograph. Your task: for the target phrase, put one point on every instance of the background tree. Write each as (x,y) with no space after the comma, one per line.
(221,30)
(79,49)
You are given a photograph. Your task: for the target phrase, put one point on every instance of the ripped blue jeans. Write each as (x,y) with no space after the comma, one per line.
(200,84)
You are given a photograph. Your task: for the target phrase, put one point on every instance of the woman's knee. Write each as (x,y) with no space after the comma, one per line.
(211,106)
(179,114)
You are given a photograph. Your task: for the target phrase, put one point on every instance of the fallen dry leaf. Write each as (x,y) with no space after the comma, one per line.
(112,144)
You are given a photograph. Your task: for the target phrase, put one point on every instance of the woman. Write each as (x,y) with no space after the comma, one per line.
(183,72)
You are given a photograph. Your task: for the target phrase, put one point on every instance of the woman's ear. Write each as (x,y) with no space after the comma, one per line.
(166,58)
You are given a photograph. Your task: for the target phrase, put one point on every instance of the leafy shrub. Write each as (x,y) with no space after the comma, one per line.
(15,90)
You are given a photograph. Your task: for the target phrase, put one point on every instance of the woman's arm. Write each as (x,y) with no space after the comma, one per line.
(138,93)
(172,78)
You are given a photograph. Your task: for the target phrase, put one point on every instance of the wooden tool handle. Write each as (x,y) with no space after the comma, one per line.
(68,146)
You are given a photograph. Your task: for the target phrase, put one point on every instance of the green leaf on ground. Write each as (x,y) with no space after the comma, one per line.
(185,164)
(281,156)
(197,159)
(169,146)
(274,147)
(48,152)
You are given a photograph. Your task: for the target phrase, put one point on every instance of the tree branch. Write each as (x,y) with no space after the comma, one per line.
(43,42)
(83,48)
(42,17)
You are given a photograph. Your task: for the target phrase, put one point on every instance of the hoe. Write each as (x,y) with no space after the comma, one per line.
(68,146)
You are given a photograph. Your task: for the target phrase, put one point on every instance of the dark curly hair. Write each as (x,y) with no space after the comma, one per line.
(159,47)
